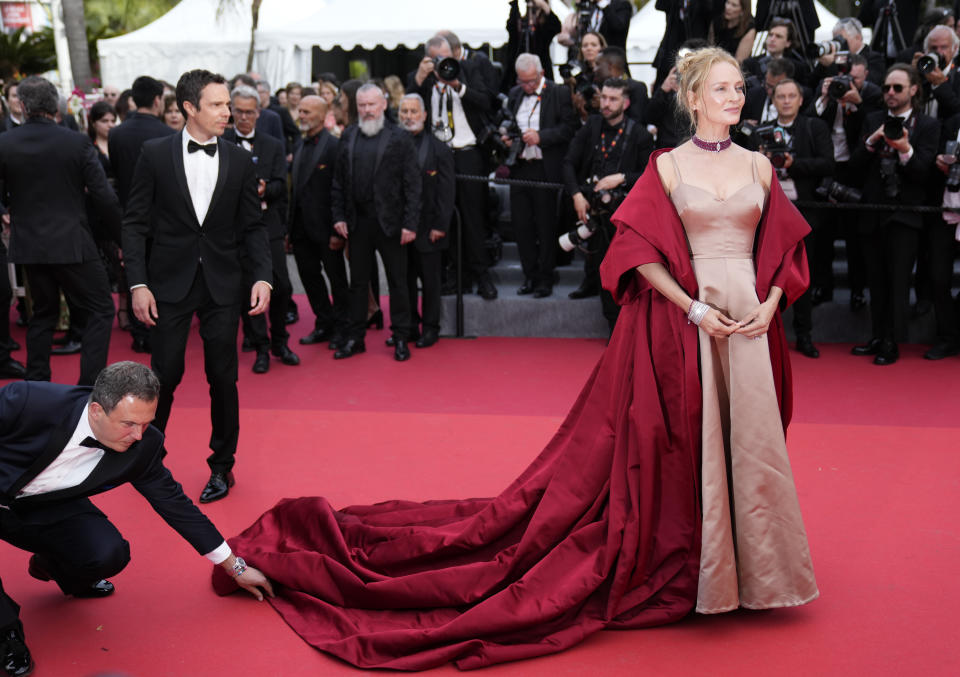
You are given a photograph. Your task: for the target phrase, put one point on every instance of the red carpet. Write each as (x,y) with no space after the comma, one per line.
(874,453)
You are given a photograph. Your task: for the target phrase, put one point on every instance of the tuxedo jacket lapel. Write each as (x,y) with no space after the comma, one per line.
(382,147)
(58,440)
(223,157)
(424,147)
(181,175)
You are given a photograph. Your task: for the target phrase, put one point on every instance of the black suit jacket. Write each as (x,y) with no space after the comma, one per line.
(125,142)
(616,23)
(872,100)
(435,160)
(160,207)
(539,44)
(914,176)
(579,161)
(812,155)
(270,161)
(269,123)
(947,95)
(477,100)
(291,132)
(558,123)
(311,205)
(662,113)
(47,173)
(37,420)
(396,181)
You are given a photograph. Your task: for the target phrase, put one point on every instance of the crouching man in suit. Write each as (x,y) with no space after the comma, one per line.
(58,446)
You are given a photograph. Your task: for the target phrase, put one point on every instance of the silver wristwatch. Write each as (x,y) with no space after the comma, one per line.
(239,566)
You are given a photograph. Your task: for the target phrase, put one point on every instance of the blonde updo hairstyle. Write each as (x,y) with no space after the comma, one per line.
(692,70)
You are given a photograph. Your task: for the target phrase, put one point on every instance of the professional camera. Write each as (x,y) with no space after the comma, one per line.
(585,10)
(930,62)
(602,204)
(840,84)
(505,124)
(837,46)
(774,140)
(953,176)
(893,128)
(447,69)
(571,69)
(834,191)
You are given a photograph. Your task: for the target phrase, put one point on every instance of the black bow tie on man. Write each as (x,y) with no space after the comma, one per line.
(209,148)
(249,139)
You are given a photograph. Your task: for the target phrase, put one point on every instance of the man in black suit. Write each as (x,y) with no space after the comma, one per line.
(317,247)
(435,161)
(376,207)
(545,115)
(758,104)
(291,133)
(47,173)
(781,38)
(479,61)
(806,162)
(196,195)
(58,446)
(124,144)
(609,153)
(612,63)
(850,30)
(268,156)
(941,86)
(612,20)
(457,115)
(896,171)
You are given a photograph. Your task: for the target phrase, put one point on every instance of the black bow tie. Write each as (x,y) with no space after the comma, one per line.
(91,443)
(210,148)
(248,139)
(897,117)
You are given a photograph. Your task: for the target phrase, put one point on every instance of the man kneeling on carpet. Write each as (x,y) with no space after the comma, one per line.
(58,446)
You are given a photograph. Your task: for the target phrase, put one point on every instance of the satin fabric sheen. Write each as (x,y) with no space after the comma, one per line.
(601,531)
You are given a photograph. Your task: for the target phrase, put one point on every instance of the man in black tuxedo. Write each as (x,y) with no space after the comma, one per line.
(124,144)
(851,31)
(458,115)
(196,195)
(896,170)
(268,157)
(545,115)
(316,245)
(479,61)
(941,86)
(609,153)
(59,445)
(47,173)
(376,207)
(435,161)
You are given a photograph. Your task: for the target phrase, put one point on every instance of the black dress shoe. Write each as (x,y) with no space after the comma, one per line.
(391,341)
(805,346)
(218,486)
(525,288)
(375,320)
(486,288)
(100,588)
(921,308)
(858,301)
(261,365)
(287,356)
(871,347)
(401,351)
(291,317)
(336,342)
(428,339)
(820,295)
(15,658)
(60,340)
(140,345)
(888,354)
(942,350)
(12,369)
(350,348)
(542,291)
(12,345)
(68,348)
(316,336)
(584,291)
(247,345)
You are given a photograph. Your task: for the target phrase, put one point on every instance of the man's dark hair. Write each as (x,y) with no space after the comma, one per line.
(615,57)
(329,77)
(192,83)
(618,83)
(858,60)
(788,24)
(789,81)
(906,68)
(242,79)
(120,379)
(8,86)
(781,66)
(123,103)
(38,96)
(145,91)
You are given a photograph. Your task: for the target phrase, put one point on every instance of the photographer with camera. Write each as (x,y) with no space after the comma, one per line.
(580,74)
(844,102)
(758,104)
(896,159)
(800,151)
(609,18)
(780,43)
(531,33)
(606,157)
(458,103)
(546,122)
(847,41)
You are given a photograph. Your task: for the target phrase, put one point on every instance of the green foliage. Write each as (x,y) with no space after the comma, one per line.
(26,54)
(110,18)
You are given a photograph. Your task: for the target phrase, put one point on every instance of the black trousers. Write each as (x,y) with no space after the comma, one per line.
(941,248)
(255,326)
(6,295)
(218,330)
(366,238)
(86,288)
(426,267)
(312,259)
(533,213)
(890,250)
(74,541)
(830,225)
(472,205)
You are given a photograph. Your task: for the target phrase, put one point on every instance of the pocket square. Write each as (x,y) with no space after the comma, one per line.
(431,172)
(321,166)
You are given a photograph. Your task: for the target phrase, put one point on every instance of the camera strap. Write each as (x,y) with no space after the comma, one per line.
(445,105)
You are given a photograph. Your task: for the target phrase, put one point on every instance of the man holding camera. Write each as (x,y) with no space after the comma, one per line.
(803,156)
(896,158)
(941,87)
(544,114)
(604,160)
(458,103)
(781,38)
(848,39)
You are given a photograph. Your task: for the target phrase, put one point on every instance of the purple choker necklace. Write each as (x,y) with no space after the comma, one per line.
(712,146)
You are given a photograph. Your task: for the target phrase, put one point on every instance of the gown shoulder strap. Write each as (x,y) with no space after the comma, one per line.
(753,163)
(676,167)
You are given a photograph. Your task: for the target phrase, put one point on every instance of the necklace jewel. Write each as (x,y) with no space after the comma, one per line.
(712,146)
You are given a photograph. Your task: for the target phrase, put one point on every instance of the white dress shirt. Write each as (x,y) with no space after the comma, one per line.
(74,465)
(444,99)
(528,117)
(202,171)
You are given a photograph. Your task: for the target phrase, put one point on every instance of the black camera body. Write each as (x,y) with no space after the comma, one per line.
(603,203)
(953,175)
(893,128)
(834,191)
(505,124)
(930,62)
(447,68)
(774,140)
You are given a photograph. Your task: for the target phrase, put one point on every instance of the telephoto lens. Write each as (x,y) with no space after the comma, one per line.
(447,69)
(930,62)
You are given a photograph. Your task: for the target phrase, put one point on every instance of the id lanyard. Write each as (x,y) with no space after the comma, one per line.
(446,104)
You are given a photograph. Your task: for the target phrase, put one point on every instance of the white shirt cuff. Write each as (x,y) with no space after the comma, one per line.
(821,105)
(905,157)
(266,283)
(463,90)
(137,286)
(222,552)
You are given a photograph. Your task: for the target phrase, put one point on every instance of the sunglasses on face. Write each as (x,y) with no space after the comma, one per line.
(897,87)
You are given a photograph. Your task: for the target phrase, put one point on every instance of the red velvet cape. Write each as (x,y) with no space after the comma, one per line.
(602,530)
